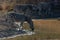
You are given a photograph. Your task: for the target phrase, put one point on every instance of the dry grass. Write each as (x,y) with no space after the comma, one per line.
(45,30)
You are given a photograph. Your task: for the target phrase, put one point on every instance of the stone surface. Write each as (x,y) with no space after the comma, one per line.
(6,34)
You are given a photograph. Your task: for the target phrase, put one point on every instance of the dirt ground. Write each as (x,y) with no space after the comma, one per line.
(48,29)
